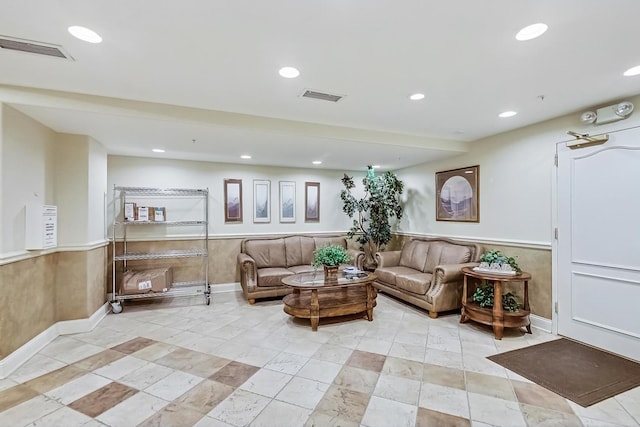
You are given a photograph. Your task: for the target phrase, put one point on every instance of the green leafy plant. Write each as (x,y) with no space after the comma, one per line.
(483,295)
(494,256)
(372,213)
(330,255)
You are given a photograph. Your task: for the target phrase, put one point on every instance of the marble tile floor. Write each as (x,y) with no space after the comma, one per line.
(182,363)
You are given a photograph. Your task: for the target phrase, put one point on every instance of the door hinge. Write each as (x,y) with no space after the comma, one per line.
(555,307)
(555,159)
(555,233)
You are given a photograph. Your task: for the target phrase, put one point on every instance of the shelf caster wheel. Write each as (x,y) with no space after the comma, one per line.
(116,307)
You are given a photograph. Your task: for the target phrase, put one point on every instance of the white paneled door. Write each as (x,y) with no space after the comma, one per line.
(598,248)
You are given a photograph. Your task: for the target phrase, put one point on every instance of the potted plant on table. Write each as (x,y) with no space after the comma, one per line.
(496,262)
(330,257)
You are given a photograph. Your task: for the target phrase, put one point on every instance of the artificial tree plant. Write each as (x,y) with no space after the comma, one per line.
(373,212)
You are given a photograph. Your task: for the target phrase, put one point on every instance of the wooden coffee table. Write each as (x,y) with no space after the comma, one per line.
(313,298)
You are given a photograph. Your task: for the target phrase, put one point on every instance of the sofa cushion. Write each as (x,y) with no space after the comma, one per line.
(418,283)
(272,276)
(445,253)
(413,254)
(267,252)
(388,275)
(295,269)
(299,250)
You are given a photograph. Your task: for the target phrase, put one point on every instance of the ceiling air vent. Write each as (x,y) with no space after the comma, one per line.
(30,46)
(321,95)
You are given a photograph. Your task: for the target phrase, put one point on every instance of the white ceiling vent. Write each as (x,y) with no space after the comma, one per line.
(30,46)
(321,95)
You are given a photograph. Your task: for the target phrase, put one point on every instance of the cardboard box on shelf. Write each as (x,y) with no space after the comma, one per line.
(143,213)
(129,211)
(145,281)
(158,214)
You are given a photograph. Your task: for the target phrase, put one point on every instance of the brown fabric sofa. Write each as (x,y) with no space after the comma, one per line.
(426,272)
(264,262)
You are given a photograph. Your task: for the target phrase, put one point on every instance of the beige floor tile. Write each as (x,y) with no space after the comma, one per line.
(55,379)
(278,414)
(489,385)
(303,392)
(173,415)
(357,379)
(533,394)
(537,416)
(77,388)
(403,368)
(340,402)
(205,396)
(398,389)
(234,373)
(366,360)
(448,400)
(95,403)
(99,360)
(494,411)
(193,362)
(384,412)
(15,395)
(429,418)
(442,375)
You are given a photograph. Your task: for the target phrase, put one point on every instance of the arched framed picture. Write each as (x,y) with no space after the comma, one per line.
(457,195)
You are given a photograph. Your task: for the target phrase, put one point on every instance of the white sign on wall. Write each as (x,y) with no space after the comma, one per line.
(41,227)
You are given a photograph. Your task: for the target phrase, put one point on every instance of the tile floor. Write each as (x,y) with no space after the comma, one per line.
(181,363)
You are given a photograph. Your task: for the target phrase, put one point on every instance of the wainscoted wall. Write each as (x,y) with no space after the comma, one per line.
(223,252)
(40,291)
(536,261)
(26,300)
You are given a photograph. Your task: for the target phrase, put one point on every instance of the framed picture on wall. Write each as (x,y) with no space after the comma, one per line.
(261,200)
(233,200)
(457,196)
(311,202)
(287,201)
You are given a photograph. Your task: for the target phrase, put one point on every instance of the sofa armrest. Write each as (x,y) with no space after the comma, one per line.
(248,272)
(451,272)
(358,258)
(388,258)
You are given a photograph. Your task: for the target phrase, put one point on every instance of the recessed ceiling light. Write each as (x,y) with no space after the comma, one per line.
(531,32)
(633,71)
(417,96)
(289,72)
(317,162)
(158,150)
(507,114)
(84,34)
(245,156)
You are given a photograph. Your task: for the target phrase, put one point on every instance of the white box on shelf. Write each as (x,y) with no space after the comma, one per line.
(41,227)
(143,213)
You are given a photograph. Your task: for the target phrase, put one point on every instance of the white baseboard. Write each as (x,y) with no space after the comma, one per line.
(226,287)
(541,323)
(33,346)
(67,327)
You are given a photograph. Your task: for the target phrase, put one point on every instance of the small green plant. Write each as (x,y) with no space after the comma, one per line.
(331,255)
(498,257)
(483,295)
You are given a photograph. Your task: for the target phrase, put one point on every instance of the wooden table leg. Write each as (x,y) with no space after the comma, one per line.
(498,311)
(463,315)
(370,299)
(314,310)
(526,302)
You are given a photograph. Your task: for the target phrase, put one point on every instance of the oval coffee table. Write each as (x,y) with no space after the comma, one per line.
(314,298)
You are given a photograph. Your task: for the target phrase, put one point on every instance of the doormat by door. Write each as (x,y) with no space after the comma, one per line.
(582,374)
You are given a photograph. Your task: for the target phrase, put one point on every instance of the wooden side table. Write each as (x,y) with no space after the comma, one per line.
(496,317)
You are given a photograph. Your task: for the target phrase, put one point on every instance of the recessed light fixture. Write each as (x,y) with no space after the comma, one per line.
(532,31)
(416,96)
(289,72)
(84,34)
(317,162)
(507,114)
(633,71)
(245,156)
(158,150)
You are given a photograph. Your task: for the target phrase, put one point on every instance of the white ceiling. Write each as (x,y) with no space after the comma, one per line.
(170,72)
